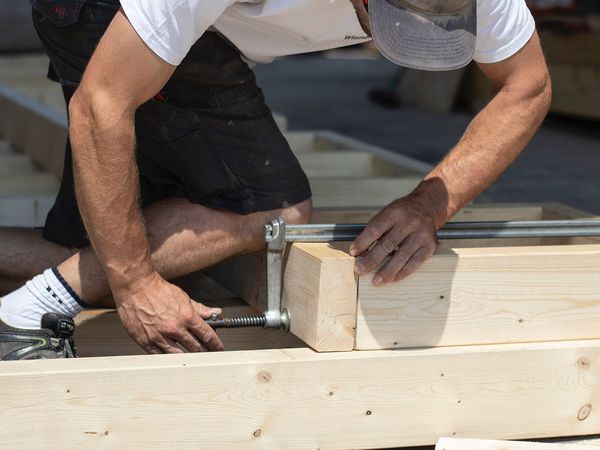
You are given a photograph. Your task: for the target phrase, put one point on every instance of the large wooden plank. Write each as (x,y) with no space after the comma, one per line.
(297,398)
(468,296)
(486,444)
(356,192)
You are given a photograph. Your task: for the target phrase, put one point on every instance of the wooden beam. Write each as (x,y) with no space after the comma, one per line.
(356,192)
(466,296)
(315,141)
(297,398)
(484,444)
(337,164)
(44,137)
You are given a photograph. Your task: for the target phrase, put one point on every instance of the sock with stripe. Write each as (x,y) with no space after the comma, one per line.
(45,293)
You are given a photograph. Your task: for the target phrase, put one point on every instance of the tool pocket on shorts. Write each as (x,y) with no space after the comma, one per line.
(62,13)
(175,138)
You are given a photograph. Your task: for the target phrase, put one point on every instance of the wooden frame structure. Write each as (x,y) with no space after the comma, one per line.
(489,340)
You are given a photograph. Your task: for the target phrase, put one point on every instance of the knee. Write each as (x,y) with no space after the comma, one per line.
(299,213)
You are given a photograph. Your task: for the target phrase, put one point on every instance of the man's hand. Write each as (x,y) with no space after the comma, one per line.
(161,318)
(405,229)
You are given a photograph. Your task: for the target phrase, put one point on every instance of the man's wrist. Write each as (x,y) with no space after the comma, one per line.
(432,199)
(123,279)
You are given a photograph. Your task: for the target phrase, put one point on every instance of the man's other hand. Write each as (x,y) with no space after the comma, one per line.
(161,318)
(404,230)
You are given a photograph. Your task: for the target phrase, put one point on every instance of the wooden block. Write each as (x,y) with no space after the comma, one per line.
(298,399)
(319,292)
(484,444)
(485,295)
(356,192)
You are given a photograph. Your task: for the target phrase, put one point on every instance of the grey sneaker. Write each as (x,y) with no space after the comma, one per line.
(54,340)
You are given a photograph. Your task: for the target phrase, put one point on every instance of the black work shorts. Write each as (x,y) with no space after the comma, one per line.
(208,135)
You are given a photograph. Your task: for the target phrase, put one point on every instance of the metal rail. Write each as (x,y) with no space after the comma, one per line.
(455,230)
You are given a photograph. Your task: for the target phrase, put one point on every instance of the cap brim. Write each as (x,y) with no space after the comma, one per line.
(422,41)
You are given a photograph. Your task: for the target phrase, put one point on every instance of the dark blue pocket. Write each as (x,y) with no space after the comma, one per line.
(61,13)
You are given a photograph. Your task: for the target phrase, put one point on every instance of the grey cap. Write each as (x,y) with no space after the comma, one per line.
(425,34)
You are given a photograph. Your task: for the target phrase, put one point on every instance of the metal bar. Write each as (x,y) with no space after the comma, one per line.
(455,230)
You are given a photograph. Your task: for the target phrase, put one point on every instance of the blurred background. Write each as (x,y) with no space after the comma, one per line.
(356,92)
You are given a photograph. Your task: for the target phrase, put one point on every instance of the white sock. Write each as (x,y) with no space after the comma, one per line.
(45,293)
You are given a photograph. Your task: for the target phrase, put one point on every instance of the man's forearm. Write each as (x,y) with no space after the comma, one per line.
(107,188)
(490,144)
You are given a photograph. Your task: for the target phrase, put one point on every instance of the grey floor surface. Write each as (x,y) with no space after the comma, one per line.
(561,164)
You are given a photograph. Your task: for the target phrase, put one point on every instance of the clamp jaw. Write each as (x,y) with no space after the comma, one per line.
(276,317)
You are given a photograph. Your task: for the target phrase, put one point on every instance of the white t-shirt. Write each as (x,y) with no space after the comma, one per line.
(265,29)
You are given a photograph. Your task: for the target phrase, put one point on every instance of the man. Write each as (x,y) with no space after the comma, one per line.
(213,167)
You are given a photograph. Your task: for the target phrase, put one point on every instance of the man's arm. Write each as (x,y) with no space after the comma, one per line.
(490,144)
(123,74)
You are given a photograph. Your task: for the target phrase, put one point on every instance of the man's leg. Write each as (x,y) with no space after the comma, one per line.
(184,237)
(25,253)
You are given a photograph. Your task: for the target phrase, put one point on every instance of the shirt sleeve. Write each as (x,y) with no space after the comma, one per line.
(503,28)
(171,27)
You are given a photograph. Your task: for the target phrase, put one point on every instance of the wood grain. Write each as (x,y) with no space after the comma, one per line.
(467,296)
(319,291)
(298,399)
(484,444)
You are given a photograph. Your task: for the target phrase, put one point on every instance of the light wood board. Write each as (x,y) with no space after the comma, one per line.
(485,444)
(298,399)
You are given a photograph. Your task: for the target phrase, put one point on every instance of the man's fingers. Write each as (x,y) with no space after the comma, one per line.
(167,345)
(189,342)
(380,251)
(376,228)
(413,263)
(204,311)
(207,336)
(398,261)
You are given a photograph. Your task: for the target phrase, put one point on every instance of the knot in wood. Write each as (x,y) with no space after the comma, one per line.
(584,363)
(584,412)
(264,376)
(257,433)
